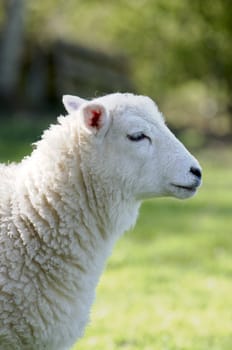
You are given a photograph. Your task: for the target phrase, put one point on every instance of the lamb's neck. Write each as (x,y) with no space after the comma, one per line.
(71,220)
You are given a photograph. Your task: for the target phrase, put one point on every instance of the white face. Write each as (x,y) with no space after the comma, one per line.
(139,151)
(151,155)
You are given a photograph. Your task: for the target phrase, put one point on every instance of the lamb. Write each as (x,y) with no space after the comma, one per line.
(63,207)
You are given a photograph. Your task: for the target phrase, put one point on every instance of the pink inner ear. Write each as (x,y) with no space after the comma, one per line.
(95,119)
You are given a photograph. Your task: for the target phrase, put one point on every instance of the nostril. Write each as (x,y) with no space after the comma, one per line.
(196,172)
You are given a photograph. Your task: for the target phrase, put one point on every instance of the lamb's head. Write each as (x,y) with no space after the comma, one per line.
(129,146)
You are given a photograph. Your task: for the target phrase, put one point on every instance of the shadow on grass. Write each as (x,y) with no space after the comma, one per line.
(18,135)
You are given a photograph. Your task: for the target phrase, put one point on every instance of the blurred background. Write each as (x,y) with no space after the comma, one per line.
(175,292)
(177,52)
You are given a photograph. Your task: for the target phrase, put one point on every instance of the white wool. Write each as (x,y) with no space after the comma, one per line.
(62,209)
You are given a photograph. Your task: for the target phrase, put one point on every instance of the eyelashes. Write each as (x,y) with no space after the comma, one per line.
(138,136)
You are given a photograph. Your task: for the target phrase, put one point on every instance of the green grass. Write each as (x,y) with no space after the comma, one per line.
(168,284)
(17,136)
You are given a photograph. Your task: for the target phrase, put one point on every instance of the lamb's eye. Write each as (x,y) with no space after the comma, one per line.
(138,136)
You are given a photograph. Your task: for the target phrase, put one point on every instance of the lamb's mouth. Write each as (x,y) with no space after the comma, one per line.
(191,188)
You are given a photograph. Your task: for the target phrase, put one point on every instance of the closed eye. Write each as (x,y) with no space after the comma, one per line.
(138,136)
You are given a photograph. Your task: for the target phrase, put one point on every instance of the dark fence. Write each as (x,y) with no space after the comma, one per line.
(47,72)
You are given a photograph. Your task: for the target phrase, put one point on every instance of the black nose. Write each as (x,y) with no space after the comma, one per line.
(196,172)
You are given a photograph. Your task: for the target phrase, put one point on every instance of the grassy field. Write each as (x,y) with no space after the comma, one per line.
(168,284)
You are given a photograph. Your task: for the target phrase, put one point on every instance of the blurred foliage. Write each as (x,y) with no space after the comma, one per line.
(175,40)
(180,50)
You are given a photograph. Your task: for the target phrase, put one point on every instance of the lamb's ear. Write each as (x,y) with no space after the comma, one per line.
(95,118)
(72,103)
